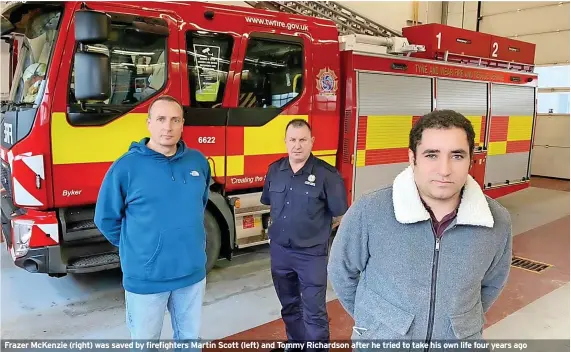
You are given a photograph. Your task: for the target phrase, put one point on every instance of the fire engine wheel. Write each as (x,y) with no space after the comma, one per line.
(213,240)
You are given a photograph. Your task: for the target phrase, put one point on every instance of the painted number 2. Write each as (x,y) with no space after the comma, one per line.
(206,140)
(495,47)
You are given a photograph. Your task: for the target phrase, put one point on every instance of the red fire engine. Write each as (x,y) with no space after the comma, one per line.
(87,72)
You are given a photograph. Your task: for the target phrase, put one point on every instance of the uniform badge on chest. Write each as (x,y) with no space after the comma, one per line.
(310,180)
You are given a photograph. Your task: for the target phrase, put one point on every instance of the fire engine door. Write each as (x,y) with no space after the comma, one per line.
(212,47)
(86,140)
(512,115)
(245,84)
(269,90)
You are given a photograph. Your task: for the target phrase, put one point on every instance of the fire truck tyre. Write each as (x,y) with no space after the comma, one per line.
(213,240)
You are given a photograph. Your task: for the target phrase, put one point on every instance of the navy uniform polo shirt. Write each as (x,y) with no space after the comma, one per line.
(303,204)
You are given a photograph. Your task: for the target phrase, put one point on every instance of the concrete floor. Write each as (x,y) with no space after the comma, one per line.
(241,302)
(36,305)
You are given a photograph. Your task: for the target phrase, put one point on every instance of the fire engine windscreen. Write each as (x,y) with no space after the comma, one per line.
(40,29)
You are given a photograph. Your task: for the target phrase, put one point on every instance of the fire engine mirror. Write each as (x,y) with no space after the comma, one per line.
(5,25)
(95,70)
(92,27)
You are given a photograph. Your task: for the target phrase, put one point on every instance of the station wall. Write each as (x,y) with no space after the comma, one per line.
(545,23)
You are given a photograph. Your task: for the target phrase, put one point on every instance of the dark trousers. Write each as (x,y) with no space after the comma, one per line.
(300,280)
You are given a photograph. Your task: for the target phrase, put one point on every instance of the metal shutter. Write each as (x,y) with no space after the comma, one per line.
(512,100)
(382,94)
(467,98)
(387,105)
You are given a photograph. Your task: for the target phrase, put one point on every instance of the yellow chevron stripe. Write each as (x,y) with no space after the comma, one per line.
(73,145)
(361,158)
(330,159)
(477,124)
(519,128)
(497,148)
(385,132)
(268,139)
(324,152)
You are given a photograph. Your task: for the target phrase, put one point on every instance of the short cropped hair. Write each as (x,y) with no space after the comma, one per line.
(298,123)
(166,98)
(441,119)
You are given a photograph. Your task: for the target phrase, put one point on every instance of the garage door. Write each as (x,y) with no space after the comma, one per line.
(388,105)
(510,134)
(468,98)
(545,23)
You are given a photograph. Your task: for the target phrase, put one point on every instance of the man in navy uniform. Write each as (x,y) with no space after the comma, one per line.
(305,195)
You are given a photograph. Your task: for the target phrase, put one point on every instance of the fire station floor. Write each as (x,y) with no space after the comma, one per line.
(241,303)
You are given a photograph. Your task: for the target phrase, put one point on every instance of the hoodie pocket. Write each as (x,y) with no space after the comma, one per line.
(376,318)
(468,325)
(180,252)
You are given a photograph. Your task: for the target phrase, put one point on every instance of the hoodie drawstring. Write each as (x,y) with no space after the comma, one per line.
(172,173)
(170,167)
(142,148)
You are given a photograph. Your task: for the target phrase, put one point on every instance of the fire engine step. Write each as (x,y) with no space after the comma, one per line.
(93,263)
(254,210)
(82,232)
(252,241)
(81,225)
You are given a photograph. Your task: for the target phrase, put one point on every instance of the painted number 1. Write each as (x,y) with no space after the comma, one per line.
(439,36)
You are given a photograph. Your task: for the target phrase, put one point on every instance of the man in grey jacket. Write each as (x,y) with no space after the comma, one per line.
(425,258)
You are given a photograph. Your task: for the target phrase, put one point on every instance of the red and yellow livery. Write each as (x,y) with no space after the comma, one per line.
(77,103)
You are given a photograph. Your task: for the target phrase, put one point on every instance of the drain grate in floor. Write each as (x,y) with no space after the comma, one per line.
(529,265)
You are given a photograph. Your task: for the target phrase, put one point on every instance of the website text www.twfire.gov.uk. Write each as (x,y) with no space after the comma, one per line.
(276,23)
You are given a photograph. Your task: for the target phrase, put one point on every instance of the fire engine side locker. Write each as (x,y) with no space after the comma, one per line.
(510,132)
(387,106)
(469,98)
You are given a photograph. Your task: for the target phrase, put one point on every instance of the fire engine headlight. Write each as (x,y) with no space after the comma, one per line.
(22,235)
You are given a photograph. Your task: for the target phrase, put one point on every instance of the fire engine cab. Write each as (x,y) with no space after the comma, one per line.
(87,72)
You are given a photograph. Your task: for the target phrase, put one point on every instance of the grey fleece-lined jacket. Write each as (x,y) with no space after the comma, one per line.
(382,260)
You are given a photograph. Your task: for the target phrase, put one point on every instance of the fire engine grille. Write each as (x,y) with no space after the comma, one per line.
(346,155)
(529,265)
(5,179)
(346,123)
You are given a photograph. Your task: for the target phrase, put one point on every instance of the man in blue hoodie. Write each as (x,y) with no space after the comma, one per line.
(151,205)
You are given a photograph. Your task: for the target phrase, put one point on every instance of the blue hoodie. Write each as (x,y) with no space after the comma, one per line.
(152,208)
